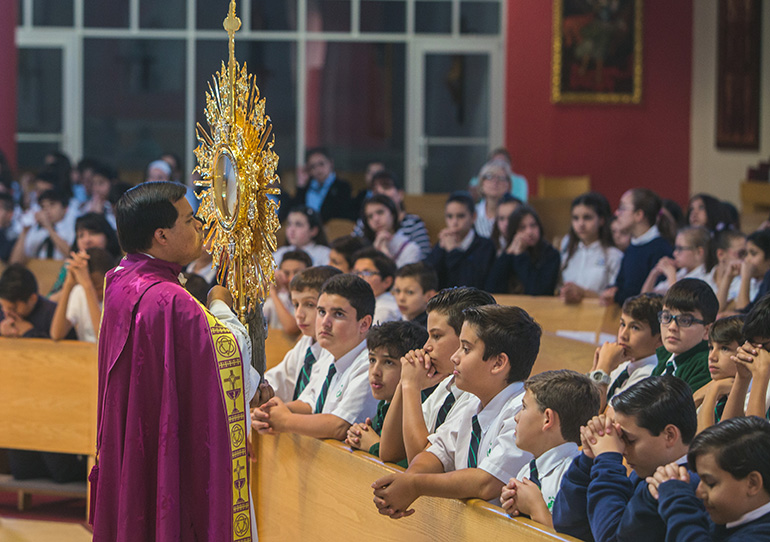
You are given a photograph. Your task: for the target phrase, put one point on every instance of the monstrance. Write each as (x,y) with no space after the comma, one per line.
(238,169)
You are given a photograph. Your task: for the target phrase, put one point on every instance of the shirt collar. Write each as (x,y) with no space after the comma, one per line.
(750,516)
(649,360)
(316,185)
(552,458)
(646,237)
(468,240)
(489,412)
(347,360)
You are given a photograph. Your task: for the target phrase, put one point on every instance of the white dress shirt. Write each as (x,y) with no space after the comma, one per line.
(318,253)
(349,396)
(79,315)
(434,402)
(386,309)
(497,453)
(592,267)
(551,467)
(283,377)
(638,370)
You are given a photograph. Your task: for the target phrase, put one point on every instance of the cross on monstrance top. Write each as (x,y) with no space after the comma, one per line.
(232,24)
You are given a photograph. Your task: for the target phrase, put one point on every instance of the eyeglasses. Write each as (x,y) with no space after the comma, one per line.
(364,273)
(680,248)
(498,178)
(682,320)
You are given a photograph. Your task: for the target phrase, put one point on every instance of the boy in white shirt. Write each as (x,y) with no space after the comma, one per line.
(331,402)
(412,417)
(379,271)
(619,365)
(474,453)
(278,310)
(555,405)
(290,377)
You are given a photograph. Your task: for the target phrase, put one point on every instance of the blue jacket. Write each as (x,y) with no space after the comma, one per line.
(686,518)
(535,278)
(637,263)
(463,268)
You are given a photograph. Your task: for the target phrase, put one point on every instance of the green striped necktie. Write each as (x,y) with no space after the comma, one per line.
(473,451)
(319,406)
(304,374)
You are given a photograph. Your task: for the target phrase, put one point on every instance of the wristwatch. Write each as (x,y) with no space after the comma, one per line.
(600,377)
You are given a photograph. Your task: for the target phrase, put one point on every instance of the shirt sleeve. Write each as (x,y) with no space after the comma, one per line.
(357,402)
(443,444)
(570,508)
(609,493)
(683,513)
(504,459)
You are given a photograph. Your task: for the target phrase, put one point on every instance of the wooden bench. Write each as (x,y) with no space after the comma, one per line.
(48,396)
(554,315)
(305,488)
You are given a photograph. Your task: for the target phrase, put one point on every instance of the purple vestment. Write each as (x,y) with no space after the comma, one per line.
(171,441)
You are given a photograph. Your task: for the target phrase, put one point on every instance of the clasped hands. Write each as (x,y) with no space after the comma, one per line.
(523,498)
(600,435)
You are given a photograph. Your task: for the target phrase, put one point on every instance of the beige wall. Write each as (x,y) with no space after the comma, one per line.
(712,170)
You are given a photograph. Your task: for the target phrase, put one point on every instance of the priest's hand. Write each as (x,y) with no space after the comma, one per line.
(265,392)
(221,293)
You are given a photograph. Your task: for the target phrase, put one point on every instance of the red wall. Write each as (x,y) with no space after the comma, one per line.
(620,146)
(8,79)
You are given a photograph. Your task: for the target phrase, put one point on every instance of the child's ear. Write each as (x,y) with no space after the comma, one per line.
(672,435)
(550,418)
(388,282)
(364,324)
(706,332)
(754,483)
(658,341)
(427,295)
(500,364)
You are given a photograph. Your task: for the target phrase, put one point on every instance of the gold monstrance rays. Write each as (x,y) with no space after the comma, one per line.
(238,169)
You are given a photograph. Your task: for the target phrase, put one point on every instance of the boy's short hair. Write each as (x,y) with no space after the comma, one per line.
(397,337)
(99,260)
(347,246)
(761,238)
(386,179)
(658,401)
(739,445)
(54,196)
(726,330)
(573,396)
(645,308)
(17,283)
(355,289)
(424,274)
(197,286)
(386,267)
(144,209)
(463,198)
(323,151)
(313,278)
(451,302)
(297,256)
(648,202)
(757,323)
(688,295)
(508,330)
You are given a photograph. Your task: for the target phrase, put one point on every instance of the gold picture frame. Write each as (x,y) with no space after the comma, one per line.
(597,52)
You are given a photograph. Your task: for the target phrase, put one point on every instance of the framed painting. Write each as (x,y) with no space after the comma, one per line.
(738,74)
(597,51)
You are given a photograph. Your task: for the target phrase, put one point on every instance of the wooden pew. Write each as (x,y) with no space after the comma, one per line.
(554,315)
(48,396)
(306,488)
(276,346)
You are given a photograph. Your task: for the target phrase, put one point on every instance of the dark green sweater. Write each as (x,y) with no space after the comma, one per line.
(691,366)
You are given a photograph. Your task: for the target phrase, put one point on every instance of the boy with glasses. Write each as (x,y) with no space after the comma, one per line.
(379,272)
(689,309)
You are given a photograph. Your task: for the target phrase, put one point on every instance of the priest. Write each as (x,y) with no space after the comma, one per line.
(175,385)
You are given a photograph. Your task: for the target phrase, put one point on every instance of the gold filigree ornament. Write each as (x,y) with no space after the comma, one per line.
(238,169)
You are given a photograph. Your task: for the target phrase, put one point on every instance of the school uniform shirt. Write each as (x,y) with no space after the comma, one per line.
(551,467)
(79,316)
(467,265)
(271,314)
(497,452)
(349,396)
(735,285)
(592,267)
(283,377)
(432,405)
(208,273)
(483,224)
(638,370)
(318,253)
(36,245)
(697,273)
(386,309)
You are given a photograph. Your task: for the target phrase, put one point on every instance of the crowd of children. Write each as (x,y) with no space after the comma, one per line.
(403,354)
